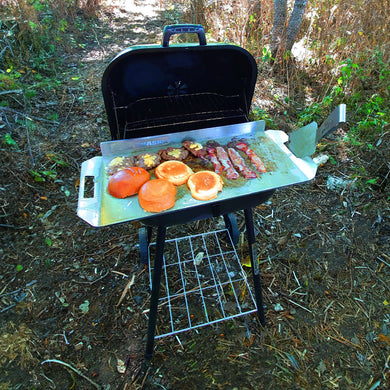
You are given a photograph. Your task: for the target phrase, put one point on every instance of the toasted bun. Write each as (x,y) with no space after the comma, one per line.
(174,171)
(205,185)
(157,195)
(127,182)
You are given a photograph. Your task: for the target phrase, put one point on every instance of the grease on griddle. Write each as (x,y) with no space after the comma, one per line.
(270,161)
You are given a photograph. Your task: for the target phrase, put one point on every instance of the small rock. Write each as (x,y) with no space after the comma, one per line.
(278,307)
(120,366)
(321,159)
(337,183)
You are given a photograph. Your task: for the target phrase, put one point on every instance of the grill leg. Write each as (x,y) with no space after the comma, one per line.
(144,236)
(231,225)
(250,231)
(158,262)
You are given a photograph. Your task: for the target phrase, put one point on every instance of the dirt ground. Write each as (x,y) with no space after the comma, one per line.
(69,319)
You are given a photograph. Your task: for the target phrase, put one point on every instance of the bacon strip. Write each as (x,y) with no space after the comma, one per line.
(255,159)
(223,157)
(218,168)
(239,164)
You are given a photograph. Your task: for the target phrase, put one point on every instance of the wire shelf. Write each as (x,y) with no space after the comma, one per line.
(202,282)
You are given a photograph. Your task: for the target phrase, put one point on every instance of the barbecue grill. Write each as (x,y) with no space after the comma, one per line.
(158,96)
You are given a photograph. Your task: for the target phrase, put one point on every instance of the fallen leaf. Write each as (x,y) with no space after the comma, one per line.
(199,258)
(283,241)
(84,307)
(293,361)
(246,262)
(383,338)
(288,315)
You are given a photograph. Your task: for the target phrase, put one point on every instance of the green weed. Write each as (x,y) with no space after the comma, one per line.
(57,160)
(9,141)
(41,176)
(261,114)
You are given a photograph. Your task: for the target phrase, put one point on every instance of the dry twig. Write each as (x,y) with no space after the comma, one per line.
(73,369)
(124,292)
(28,116)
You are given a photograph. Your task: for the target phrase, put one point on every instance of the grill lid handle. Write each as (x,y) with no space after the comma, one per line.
(182,29)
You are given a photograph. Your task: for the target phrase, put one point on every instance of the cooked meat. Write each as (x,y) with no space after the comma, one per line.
(119,163)
(218,168)
(255,159)
(239,164)
(169,153)
(195,148)
(147,160)
(223,157)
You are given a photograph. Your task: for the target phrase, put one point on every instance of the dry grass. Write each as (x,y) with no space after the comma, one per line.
(359,31)
(16,346)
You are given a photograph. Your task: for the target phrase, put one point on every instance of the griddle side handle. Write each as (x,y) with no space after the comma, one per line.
(332,122)
(182,29)
(89,198)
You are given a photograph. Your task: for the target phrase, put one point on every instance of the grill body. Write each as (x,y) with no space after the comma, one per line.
(154,90)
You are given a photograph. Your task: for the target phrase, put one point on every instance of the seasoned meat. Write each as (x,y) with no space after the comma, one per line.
(195,148)
(119,163)
(169,153)
(147,160)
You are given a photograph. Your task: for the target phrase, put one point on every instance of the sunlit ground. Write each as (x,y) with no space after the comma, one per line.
(144,7)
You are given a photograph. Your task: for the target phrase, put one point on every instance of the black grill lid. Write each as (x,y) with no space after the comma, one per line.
(177,84)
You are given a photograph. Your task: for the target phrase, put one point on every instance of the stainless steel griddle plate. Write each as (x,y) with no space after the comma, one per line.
(283,169)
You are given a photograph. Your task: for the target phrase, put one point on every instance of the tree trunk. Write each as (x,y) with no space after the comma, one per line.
(295,23)
(253,24)
(198,8)
(283,35)
(278,29)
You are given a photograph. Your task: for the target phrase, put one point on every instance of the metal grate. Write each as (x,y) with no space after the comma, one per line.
(202,283)
(167,114)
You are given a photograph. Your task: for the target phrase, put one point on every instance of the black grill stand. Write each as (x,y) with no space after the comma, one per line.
(156,278)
